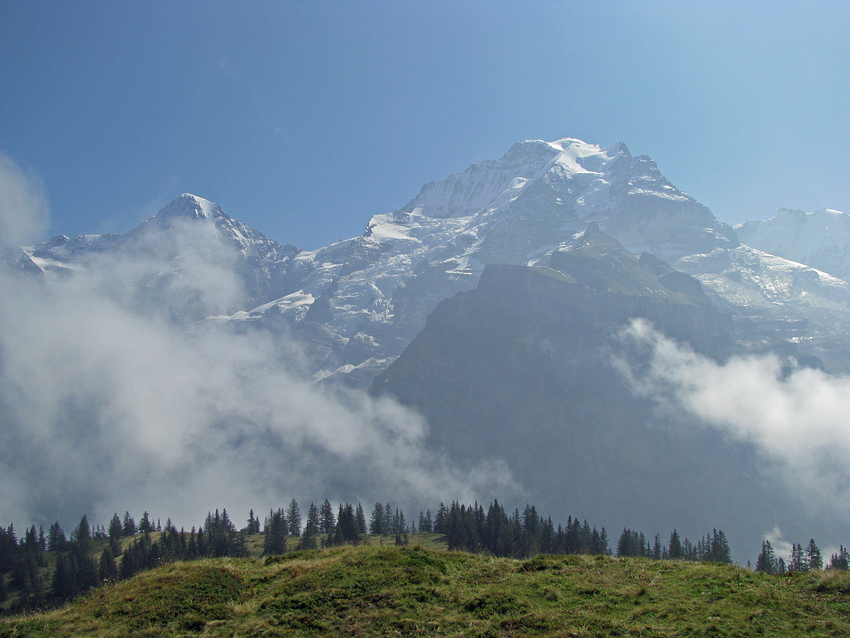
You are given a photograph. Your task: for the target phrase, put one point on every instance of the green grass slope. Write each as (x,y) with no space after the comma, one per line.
(392,591)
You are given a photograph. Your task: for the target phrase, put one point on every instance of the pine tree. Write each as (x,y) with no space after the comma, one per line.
(311,529)
(656,548)
(61,586)
(107,570)
(813,557)
(129,525)
(719,548)
(377,524)
(116,530)
(274,531)
(326,517)
(253,524)
(398,524)
(841,560)
(82,535)
(766,561)
(796,561)
(145,524)
(360,520)
(346,524)
(441,519)
(293,518)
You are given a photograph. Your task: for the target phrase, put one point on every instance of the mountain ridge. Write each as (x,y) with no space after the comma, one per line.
(363,299)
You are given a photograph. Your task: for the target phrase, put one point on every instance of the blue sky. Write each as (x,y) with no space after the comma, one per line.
(303,119)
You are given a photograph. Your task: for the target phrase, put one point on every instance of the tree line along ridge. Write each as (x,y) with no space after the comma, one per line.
(43,570)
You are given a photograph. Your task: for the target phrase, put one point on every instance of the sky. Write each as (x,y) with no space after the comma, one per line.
(304,119)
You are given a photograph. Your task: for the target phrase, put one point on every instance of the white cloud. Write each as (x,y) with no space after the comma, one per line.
(24,211)
(797,420)
(107,404)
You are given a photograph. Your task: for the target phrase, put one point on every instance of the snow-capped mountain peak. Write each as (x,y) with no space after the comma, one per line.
(191,207)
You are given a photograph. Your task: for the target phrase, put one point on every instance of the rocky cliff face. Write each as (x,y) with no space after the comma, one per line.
(521,369)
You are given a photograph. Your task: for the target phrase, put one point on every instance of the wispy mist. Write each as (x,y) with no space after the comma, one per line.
(797,420)
(24,211)
(112,397)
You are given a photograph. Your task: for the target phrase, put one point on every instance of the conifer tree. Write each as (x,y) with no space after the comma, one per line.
(253,524)
(766,561)
(841,560)
(813,557)
(129,525)
(311,529)
(360,520)
(61,587)
(82,535)
(293,518)
(346,524)
(326,517)
(719,551)
(441,519)
(145,524)
(115,530)
(656,548)
(376,524)
(797,561)
(274,530)
(675,546)
(107,570)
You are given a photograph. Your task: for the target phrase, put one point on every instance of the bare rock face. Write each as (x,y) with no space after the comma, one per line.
(521,369)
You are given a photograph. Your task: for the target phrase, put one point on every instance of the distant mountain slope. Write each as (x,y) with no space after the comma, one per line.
(188,229)
(777,302)
(521,369)
(820,239)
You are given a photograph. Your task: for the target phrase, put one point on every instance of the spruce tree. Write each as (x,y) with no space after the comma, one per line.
(311,529)
(61,588)
(129,525)
(115,530)
(293,518)
(360,520)
(253,524)
(145,524)
(797,561)
(841,560)
(326,517)
(107,570)
(813,558)
(766,561)
(82,535)
(274,531)
(376,523)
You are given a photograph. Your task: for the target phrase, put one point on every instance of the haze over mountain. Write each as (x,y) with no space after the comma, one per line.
(193,341)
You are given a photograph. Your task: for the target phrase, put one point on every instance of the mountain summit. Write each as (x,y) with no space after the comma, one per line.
(541,190)
(359,302)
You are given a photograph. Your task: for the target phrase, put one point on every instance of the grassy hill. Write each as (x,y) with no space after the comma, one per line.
(418,591)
